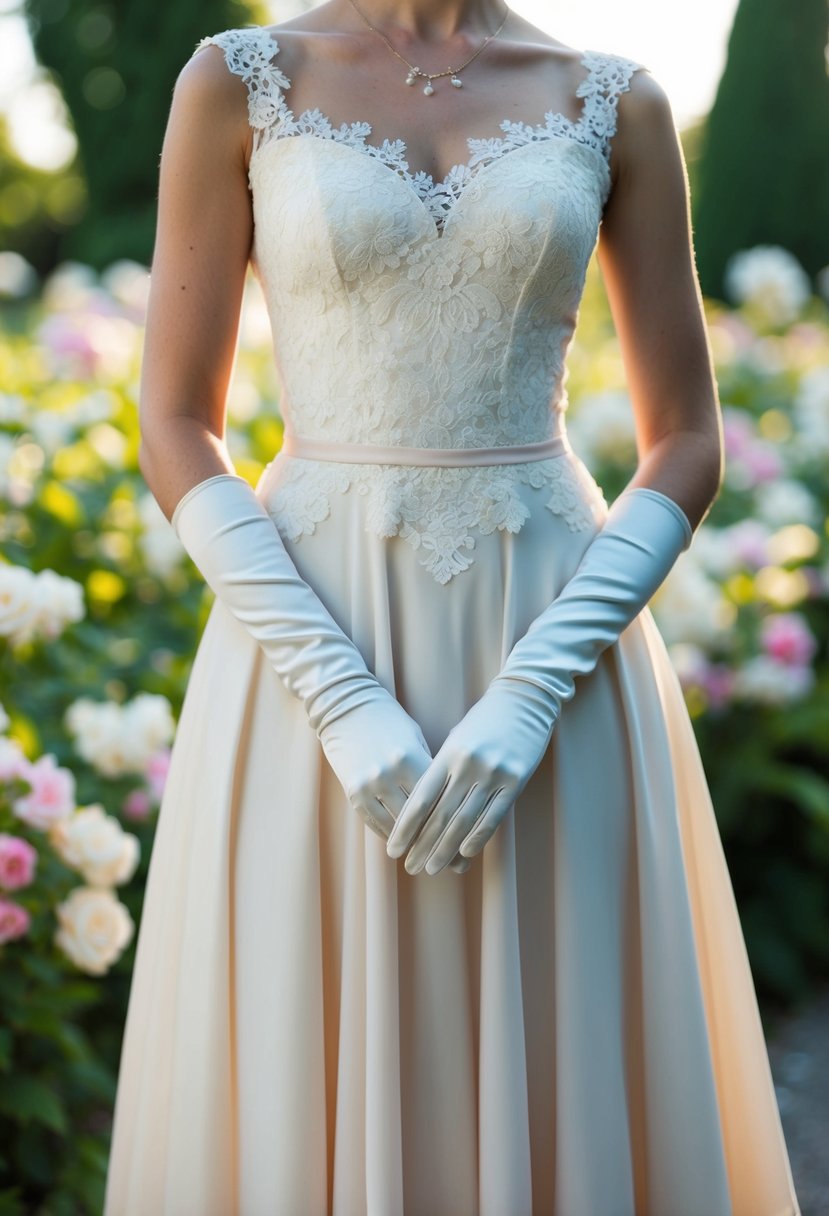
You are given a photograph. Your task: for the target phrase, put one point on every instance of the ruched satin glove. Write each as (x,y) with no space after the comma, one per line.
(375,748)
(488,758)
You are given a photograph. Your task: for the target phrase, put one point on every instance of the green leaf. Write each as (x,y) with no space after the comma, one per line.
(29,1099)
(6,1044)
(93,1079)
(806,789)
(10,1202)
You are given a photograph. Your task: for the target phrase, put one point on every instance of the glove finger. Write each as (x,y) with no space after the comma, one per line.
(450,805)
(417,808)
(377,816)
(483,831)
(469,813)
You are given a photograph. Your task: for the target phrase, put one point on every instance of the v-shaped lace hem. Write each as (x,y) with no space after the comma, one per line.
(436,510)
(249,53)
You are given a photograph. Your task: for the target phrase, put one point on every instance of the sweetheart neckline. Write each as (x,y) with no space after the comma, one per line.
(408,180)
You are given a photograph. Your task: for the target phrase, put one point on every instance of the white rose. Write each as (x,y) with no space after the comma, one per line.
(51,428)
(602,429)
(97,407)
(786,502)
(94,928)
(120,739)
(18,602)
(689,661)
(97,730)
(96,845)
(12,409)
(59,602)
(770,280)
(163,551)
(689,606)
(151,719)
(129,283)
(18,277)
(771,683)
(70,286)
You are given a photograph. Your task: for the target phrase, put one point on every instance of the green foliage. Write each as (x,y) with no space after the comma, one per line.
(116,65)
(56,1092)
(764,173)
(35,205)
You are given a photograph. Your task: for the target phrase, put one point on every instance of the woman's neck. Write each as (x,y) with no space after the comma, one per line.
(433,20)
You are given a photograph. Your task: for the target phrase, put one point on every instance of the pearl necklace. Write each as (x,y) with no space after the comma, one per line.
(414,72)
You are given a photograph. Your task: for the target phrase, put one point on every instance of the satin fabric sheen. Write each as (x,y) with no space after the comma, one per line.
(570,1027)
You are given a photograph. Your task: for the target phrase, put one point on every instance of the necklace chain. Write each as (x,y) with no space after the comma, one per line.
(415,71)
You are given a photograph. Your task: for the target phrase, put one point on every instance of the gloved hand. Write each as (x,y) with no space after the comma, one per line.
(375,748)
(488,758)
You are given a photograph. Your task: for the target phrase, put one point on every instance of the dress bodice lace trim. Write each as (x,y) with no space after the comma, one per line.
(411,502)
(250,53)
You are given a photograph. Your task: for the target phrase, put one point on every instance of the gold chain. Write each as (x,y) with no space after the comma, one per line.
(414,71)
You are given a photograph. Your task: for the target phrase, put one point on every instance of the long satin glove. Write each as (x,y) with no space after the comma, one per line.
(488,758)
(376,750)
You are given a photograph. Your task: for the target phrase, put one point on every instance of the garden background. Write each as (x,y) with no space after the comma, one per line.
(101,612)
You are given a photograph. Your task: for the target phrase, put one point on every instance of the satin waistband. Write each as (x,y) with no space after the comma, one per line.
(368,453)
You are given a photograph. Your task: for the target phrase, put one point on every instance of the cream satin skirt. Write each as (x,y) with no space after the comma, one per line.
(568,1029)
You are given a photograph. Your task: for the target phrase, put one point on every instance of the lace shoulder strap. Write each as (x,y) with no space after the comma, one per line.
(608,76)
(250,52)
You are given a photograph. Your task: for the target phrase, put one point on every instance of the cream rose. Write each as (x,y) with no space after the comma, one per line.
(96,845)
(94,929)
(18,602)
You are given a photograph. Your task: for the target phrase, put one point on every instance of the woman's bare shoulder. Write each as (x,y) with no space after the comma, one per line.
(208,97)
(205,78)
(645,116)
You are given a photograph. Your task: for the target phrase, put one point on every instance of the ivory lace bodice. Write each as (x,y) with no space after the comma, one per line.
(429,314)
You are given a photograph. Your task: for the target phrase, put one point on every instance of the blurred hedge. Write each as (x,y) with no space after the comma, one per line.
(116,65)
(763,177)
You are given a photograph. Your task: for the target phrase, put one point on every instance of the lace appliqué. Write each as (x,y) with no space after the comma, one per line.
(249,53)
(436,510)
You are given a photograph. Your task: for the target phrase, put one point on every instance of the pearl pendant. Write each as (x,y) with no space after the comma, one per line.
(410,79)
(428,90)
(457,82)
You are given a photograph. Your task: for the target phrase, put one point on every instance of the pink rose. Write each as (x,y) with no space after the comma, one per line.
(17,862)
(52,795)
(136,805)
(14,920)
(738,432)
(787,639)
(762,462)
(70,343)
(156,772)
(718,682)
(748,540)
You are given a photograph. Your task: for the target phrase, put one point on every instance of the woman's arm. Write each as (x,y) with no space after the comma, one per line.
(646,257)
(200,258)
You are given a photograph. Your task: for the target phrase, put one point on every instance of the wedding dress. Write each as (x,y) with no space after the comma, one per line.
(570,1028)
